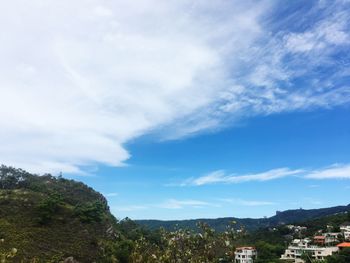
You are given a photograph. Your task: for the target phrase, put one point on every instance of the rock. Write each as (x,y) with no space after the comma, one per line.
(70,260)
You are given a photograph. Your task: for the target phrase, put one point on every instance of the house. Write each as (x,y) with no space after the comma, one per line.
(245,255)
(320,240)
(332,238)
(299,247)
(326,239)
(345,227)
(347,235)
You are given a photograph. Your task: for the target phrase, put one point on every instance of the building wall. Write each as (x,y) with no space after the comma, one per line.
(245,256)
(296,250)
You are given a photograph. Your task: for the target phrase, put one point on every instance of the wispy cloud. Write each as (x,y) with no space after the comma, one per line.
(242,202)
(185,204)
(337,171)
(130,208)
(221,176)
(313,201)
(111,194)
(314,186)
(326,34)
(167,204)
(87,78)
(180,204)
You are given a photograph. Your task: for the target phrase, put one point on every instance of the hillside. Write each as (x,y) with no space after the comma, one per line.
(51,218)
(219,224)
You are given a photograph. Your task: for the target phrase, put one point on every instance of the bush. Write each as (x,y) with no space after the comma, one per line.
(342,257)
(90,212)
(48,207)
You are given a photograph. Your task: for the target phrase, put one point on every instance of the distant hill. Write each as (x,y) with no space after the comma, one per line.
(219,224)
(52,218)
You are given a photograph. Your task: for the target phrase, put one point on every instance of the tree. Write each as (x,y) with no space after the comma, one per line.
(342,257)
(90,212)
(268,252)
(48,208)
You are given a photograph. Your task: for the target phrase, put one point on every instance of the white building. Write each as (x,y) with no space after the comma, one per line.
(347,236)
(345,228)
(245,255)
(299,247)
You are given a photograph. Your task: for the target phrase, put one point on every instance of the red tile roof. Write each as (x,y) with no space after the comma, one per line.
(319,237)
(247,248)
(344,244)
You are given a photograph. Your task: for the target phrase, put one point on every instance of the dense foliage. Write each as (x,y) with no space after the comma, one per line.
(182,245)
(50,218)
(342,257)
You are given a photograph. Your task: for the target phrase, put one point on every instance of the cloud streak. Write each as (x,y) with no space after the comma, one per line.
(221,176)
(336,171)
(238,201)
(111,194)
(180,204)
(167,204)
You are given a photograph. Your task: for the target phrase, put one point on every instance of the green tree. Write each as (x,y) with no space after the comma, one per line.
(268,252)
(90,212)
(342,257)
(48,207)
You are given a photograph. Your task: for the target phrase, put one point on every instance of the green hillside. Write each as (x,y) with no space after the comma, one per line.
(51,218)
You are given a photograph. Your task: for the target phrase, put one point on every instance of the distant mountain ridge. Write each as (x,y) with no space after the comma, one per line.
(219,224)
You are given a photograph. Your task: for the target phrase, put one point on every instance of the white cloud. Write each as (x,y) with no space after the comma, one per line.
(111,194)
(335,171)
(166,204)
(242,202)
(129,208)
(221,176)
(313,201)
(78,80)
(331,31)
(314,186)
(180,204)
(338,171)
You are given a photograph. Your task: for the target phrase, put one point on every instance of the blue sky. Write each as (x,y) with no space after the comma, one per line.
(151,185)
(181,109)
